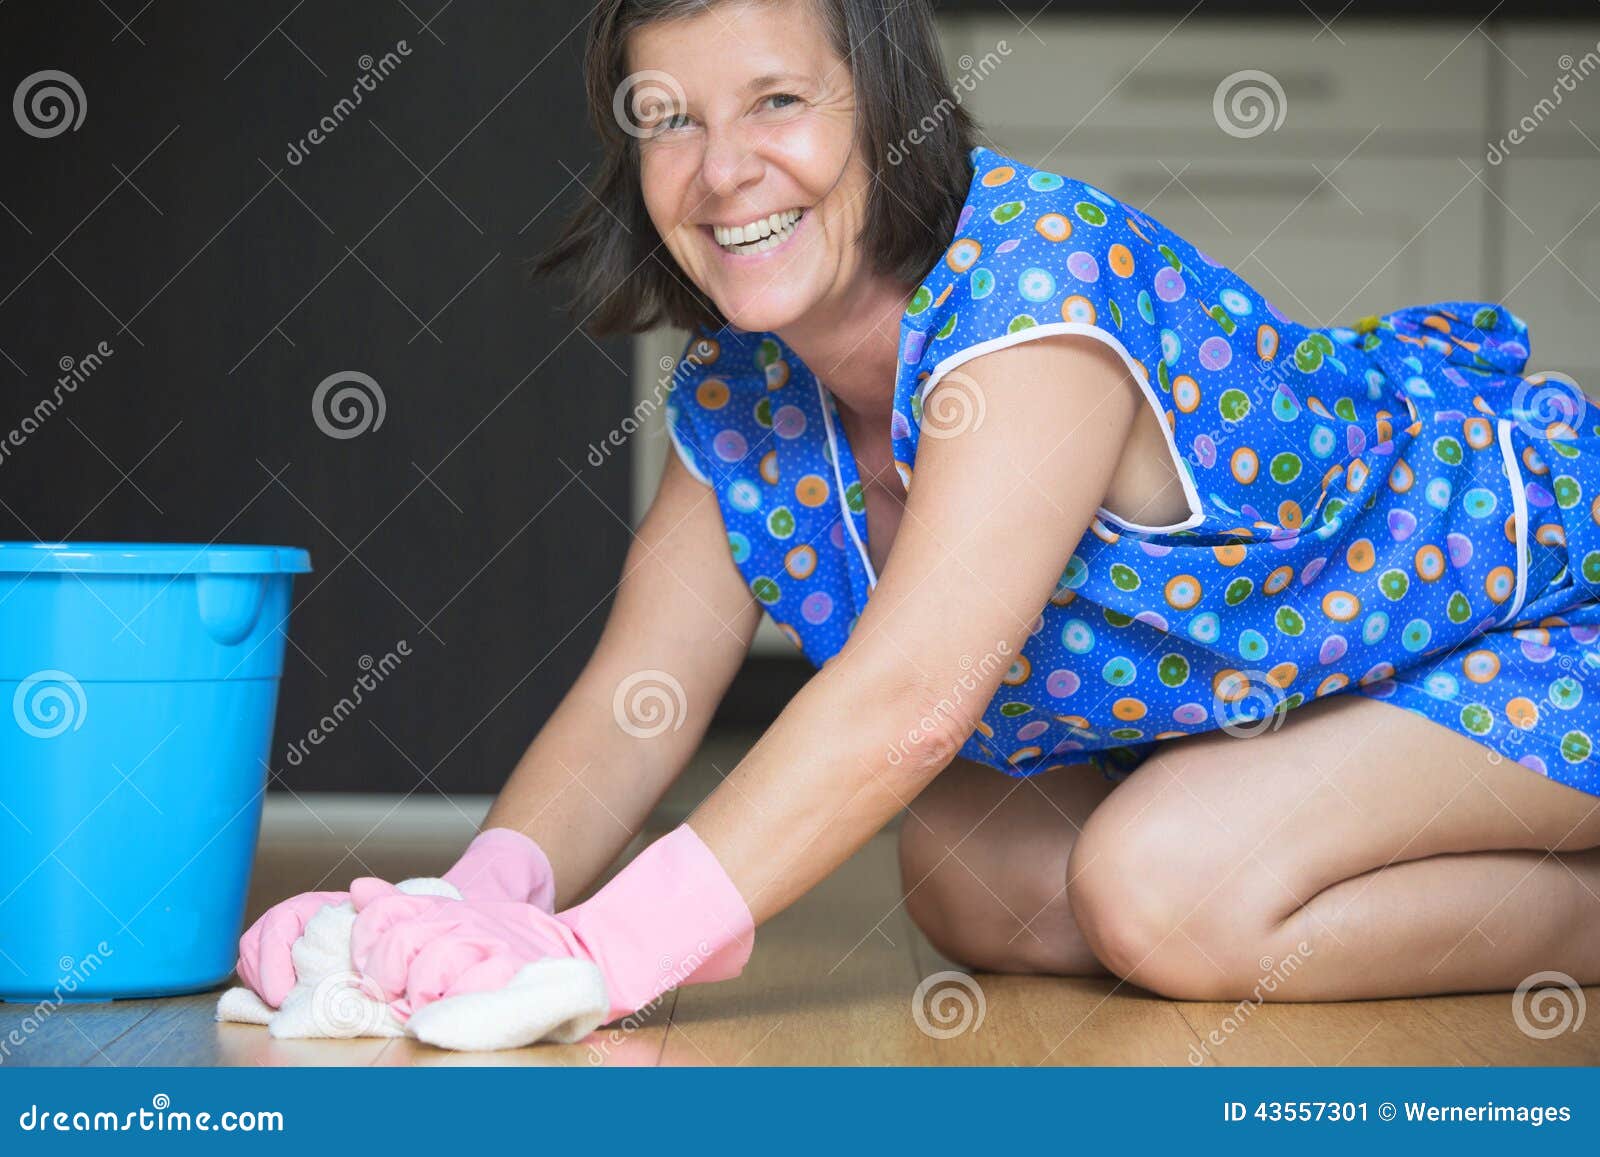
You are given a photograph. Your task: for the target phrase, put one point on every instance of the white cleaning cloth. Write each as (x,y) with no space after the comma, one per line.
(557,999)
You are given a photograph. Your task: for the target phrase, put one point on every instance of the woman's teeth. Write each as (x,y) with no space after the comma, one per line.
(758,236)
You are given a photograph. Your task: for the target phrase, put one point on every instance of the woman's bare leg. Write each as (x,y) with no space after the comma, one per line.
(983,859)
(1385,854)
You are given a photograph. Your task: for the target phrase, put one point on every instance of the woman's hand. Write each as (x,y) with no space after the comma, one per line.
(671,916)
(266,963)
(499,864)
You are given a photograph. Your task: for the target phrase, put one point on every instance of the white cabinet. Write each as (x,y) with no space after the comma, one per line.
(1551,91)
(1547,170)
(1553,261)
(1160,76)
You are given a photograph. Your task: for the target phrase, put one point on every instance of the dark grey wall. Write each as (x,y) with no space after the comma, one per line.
(229,282)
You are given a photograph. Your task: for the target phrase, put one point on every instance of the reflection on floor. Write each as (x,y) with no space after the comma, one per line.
(834,981)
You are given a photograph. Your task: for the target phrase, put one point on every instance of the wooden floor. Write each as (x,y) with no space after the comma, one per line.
(832,982)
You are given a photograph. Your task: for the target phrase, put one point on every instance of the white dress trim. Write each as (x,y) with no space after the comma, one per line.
(1519,504)
(838,485)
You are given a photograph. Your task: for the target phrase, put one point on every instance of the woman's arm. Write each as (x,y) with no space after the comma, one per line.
(991,520)
(683,619)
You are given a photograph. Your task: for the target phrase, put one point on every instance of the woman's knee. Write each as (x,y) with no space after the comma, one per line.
(1157,911)
(987,920)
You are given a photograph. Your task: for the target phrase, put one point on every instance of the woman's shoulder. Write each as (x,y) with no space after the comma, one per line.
(1037,252)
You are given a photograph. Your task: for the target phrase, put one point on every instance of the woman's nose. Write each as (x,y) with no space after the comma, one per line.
(730,162)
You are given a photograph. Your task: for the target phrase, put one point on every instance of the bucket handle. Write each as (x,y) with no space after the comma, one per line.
(230,604)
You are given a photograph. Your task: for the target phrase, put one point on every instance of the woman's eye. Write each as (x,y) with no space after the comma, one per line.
(782,99)
(664,124)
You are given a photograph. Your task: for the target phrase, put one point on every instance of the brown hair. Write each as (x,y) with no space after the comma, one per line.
(627,282)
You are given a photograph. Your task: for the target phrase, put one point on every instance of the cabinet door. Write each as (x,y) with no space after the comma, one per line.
(1161,76)
(1556,207)
(1379,235)
(1551,94)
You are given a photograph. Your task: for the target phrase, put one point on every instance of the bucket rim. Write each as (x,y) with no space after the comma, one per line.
(171,558)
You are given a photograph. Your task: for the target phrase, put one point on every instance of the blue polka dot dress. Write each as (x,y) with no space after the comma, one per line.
(1391,509)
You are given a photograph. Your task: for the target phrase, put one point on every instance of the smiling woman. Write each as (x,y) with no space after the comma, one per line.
(690,100)
(1042,489)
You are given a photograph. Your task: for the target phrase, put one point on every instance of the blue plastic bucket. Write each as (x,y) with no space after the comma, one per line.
(137,684)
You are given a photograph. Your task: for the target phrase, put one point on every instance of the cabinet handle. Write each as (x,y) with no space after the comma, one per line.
(1142,185)
(1161,87)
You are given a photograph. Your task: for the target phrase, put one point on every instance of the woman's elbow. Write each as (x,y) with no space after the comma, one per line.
(920,730)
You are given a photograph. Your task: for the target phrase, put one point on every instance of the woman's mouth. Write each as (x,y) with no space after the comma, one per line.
(759,236)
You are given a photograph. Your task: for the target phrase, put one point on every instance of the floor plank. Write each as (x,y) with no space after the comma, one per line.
(1487,1022)
(1376,1032)
(624,1045)
(183,1031)
(66,1034)
(1054,1020)
(830,983)
(834,981)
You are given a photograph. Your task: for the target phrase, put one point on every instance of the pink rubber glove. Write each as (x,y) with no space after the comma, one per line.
(504,864)
(499,864)
(265,963)
(670,917)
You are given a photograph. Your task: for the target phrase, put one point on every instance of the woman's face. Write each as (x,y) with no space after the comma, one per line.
(748,159)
